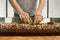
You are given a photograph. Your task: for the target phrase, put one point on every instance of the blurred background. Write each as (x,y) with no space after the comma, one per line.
(51,11)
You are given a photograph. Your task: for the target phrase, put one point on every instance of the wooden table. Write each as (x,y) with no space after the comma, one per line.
(29,37)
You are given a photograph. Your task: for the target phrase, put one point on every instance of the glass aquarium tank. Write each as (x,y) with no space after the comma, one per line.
(10,21)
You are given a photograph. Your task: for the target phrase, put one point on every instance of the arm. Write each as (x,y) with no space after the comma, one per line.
(41,5)
(24,15)
(38,14)
(16,6)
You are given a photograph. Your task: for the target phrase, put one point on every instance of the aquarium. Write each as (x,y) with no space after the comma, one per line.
(10,20)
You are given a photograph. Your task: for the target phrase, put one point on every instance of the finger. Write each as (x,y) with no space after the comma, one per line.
(40,19)
(30,21)
(25,20)
(35,21)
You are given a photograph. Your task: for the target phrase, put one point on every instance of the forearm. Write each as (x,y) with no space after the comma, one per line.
(41,5)
(16,6)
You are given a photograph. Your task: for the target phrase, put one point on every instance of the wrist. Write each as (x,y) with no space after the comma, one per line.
(20,12)
(38,12)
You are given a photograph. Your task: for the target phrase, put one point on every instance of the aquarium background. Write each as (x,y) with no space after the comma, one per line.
(50,12)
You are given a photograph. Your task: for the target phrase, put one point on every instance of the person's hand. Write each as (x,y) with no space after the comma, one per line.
(38,17)
(26,18)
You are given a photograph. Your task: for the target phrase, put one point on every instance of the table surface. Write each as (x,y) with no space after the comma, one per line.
(29,37)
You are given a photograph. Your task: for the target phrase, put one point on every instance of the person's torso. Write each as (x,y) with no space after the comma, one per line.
(28,6)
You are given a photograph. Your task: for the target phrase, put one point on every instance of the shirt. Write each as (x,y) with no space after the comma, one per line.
(28,6)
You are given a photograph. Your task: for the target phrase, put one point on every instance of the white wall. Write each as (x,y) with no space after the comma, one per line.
(2,8)
(54,8)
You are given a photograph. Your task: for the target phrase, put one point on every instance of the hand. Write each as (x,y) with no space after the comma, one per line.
(26,18)
(38,17)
